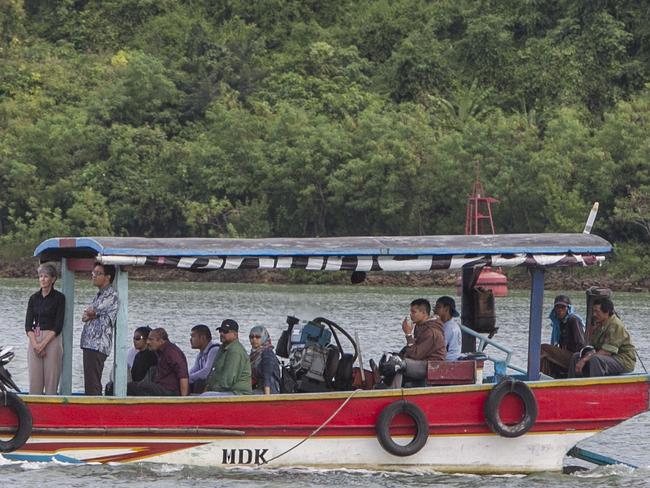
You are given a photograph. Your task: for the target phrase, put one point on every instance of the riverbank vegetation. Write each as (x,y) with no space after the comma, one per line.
(314,118)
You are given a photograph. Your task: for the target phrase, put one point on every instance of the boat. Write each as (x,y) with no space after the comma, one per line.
(516,421)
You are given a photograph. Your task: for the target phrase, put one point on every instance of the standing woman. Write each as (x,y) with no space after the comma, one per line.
(43,325)
(265,367)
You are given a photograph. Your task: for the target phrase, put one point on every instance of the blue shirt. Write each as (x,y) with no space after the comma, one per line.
(453,339)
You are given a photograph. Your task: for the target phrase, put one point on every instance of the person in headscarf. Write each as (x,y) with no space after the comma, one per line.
(567,337)
(265,366)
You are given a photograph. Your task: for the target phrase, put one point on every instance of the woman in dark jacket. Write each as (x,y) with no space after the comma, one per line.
(265,366)
(43,326)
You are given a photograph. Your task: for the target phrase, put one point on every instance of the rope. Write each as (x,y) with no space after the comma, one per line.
(314,432)
(641,361)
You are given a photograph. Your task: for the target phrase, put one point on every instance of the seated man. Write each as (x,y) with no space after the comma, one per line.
(201,339)
(425,341)
(610,350)
(171,378)
(567,338)
(140,359)
(231,371)
(446,309)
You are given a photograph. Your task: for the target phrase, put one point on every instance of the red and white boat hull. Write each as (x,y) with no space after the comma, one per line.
(248,431)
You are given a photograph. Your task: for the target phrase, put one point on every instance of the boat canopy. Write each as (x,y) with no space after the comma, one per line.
(402,253)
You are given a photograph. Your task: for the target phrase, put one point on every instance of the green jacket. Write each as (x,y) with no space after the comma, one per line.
(612,337)
(231,370)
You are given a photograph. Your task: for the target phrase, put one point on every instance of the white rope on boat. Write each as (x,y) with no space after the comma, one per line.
(315,431)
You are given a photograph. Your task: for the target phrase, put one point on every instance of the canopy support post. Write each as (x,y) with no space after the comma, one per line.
(67,288)
(535,322)
(469,276)
(122,342)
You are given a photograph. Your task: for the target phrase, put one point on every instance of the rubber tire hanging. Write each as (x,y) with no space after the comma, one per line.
(383,428)
(493,402)
(12,401)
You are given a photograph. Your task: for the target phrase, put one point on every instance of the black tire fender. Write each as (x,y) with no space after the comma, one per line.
(384,420)
(493,402)
(14,402)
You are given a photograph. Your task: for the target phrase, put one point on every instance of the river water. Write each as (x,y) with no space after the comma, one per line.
(375,315)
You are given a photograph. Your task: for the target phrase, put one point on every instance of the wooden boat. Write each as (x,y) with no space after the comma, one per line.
(510,426)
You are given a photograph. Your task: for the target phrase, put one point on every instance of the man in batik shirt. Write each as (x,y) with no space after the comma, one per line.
(97,334)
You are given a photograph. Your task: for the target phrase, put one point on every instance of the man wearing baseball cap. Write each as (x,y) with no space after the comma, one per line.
(446,309)
(567,337)
(231,371)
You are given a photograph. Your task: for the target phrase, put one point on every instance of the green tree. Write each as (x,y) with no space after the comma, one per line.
(12,16)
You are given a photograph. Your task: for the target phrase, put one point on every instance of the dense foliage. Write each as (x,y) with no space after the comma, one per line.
(328,117)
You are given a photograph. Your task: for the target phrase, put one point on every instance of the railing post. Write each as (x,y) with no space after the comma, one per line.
(467,313)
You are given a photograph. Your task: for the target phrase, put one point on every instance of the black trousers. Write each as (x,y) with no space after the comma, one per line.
(93,369)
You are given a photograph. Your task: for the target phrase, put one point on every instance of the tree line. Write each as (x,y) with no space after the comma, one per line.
(323,118)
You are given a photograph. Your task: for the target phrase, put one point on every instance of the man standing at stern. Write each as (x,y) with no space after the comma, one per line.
(97,334)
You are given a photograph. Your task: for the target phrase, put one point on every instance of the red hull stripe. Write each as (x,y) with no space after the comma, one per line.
(587,405)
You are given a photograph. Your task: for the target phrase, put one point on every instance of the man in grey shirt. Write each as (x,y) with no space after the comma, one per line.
(97,334)
(446,309)
(201,339)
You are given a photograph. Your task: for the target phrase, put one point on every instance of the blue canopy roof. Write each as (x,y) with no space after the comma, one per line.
(377,252)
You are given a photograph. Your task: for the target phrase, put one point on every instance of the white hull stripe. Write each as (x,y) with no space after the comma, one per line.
(357,263)
(464,453)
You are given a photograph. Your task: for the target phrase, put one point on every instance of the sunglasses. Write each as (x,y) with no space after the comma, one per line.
(138,338)
(254,336)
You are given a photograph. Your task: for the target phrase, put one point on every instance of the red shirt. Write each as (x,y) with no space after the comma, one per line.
(172,367)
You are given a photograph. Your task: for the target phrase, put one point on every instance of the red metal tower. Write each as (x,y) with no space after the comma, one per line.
(479,208)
